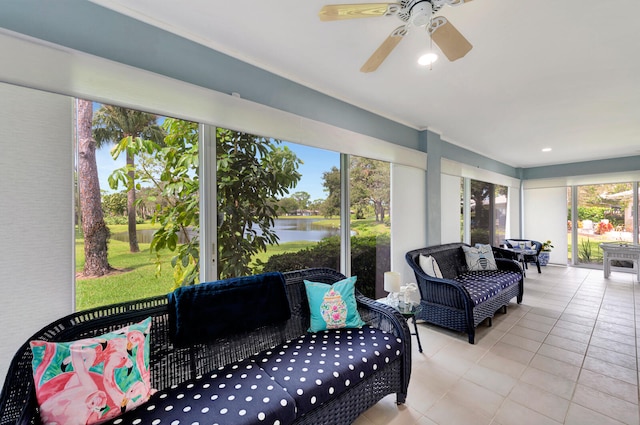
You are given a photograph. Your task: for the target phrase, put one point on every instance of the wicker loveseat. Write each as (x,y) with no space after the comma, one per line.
(461,299)
(332,394)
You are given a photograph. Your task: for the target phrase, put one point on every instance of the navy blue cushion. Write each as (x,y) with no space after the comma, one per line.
(241,394)
(482,285)
(316,367)
(200,313)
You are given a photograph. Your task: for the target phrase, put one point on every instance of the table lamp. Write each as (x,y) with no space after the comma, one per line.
(392,286)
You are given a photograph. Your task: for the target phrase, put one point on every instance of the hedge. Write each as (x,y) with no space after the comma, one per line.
(370,258)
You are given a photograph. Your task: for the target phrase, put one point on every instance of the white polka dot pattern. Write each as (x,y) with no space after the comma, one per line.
(237,394)
(324,364)
(276,386)
(482,285)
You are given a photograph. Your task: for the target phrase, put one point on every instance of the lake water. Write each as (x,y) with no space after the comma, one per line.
(288,230)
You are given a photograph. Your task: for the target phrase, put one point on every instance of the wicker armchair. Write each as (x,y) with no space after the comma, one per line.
(171,365)
(527,258)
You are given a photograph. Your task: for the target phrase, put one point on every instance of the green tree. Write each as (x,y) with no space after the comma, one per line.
(179,213)
(331,185)
(302,199)
(369,186)
(252,173)
(114,204)
(96,233)
(315,205)
(132,132)
(288,205)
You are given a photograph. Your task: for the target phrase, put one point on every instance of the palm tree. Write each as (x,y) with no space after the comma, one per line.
(131,131)
(96,233)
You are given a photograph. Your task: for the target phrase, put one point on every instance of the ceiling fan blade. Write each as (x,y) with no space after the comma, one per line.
(384,50)
(334,12)
(448,38)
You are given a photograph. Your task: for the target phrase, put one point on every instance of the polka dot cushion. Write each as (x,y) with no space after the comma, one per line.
(482,285)
(318,366)
(238,394)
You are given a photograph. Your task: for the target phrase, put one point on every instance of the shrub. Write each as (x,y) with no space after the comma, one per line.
(370,258)
(585,251)
(115,219)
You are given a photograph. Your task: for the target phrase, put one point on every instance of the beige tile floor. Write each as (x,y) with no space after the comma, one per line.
(567,355)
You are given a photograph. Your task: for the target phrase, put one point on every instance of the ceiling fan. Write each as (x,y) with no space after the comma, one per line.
(415,14)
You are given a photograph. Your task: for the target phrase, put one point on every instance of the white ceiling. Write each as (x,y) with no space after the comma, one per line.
(561,74)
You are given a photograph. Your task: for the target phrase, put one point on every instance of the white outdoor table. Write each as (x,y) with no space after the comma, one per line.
(620,251)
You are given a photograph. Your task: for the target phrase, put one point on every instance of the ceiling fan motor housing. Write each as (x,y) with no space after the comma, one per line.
(421,13)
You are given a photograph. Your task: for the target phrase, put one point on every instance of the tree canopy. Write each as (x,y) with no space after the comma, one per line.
(252,173)
(131,131)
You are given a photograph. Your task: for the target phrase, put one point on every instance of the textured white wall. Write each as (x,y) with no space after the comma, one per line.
(451,215)
(36,200)
(409,208)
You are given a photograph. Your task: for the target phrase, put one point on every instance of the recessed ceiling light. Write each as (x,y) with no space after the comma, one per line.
(427,59)
(546,150)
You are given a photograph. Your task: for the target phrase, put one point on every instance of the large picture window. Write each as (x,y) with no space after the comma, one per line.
(604,214)
(278,207)
(369,190)
(278,204)
(137,202)
(488,202)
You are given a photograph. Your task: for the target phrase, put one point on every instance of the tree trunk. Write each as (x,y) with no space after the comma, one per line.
(380,207)
(131,207)
(96,233)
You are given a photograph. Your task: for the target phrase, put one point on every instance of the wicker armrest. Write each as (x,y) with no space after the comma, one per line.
(508,265)
(382,316)
(446,292)
(388,319)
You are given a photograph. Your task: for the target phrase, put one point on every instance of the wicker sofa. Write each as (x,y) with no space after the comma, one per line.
(176,369)
(461,299)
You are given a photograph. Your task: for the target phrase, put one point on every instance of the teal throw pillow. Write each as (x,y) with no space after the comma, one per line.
(333,306)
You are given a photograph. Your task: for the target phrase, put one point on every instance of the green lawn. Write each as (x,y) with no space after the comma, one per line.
(281,249)
(137,272)
(138,279)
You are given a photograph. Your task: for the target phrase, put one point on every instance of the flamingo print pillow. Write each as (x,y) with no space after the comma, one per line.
(92,380)
(333,306)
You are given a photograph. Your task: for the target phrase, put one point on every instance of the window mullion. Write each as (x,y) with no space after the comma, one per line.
(345,216)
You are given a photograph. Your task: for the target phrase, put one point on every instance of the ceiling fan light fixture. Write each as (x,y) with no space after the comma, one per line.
(427,59)
(421,14)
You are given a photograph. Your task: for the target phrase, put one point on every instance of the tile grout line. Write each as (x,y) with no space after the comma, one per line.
(506,397)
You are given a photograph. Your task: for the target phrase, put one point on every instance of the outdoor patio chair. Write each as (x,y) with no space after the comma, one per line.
(527,258)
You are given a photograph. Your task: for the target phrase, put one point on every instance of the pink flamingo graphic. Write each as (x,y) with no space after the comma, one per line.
(140,391)
(81,397)
(61,381)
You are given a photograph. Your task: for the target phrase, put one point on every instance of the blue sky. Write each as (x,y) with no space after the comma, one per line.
(315,162)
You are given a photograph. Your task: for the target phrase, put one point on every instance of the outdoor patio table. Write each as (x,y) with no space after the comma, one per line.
(620,251)
(521,252)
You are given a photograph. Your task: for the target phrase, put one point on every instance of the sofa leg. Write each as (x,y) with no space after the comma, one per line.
(538,264)
(400,398)
(489,322)
(472,337)
(504,309)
